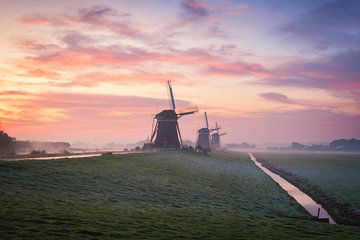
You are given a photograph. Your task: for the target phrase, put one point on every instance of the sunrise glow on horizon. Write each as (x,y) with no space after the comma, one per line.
(266,71)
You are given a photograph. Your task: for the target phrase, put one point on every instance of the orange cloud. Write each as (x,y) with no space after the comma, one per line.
(72,116)
(95,78)
(37,72)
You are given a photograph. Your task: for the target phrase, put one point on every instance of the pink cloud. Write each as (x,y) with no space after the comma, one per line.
(54,20)
(75,57)
(78,54)
(100,17)
(277,97)
(236,69)
(36,19)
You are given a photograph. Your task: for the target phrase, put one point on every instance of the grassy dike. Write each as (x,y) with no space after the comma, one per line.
(167,195)
(332,180)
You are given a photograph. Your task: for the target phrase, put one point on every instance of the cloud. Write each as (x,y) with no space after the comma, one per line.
(110,19)
(82,52)
(76,107)
(75,39)
(337,72)
(95,78)
(334,23)
(43,19)
(13,93)
(65,116)
(194,9)
(287,126)
(90,57)
(123,118)
(199,10)
(31,46)
(277,97)
(311,104)
(100,17)
(94,13)
(236,69)
(233,10)
(202,17)
(38,72)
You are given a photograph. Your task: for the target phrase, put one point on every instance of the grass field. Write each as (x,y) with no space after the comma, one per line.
(167,195)
(336,174)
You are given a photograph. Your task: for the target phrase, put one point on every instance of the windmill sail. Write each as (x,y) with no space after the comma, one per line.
(171,96)
(206,120)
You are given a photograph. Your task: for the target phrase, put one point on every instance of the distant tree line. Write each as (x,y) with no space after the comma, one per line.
(336,145)
(10,146)
(240,145)
(345,144)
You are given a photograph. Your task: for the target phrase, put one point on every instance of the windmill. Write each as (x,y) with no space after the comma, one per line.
(215,137)
(166,133)
(203,140)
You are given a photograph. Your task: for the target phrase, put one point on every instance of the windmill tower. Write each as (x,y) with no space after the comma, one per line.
(204,136)
(166,133)
(215,137)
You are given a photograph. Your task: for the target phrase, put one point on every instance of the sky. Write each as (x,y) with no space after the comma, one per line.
(96,71)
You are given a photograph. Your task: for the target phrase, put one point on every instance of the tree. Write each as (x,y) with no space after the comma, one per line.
(6,143)
(345,144)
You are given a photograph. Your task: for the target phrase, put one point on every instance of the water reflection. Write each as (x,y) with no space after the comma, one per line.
(82,155)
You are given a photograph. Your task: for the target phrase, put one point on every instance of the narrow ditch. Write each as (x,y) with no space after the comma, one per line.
(312,207)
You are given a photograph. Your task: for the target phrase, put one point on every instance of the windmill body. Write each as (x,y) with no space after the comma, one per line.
(203,139)
(215,137)
(167,130)
(166,133)
(215,140)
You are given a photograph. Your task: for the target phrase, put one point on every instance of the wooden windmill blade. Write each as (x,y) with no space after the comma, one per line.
(206,121)
(172,99)
(154,131)
(188,111)
(216,128)
(178,130)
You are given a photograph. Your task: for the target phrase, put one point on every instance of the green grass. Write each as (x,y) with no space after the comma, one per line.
(167,195)
(337,175)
